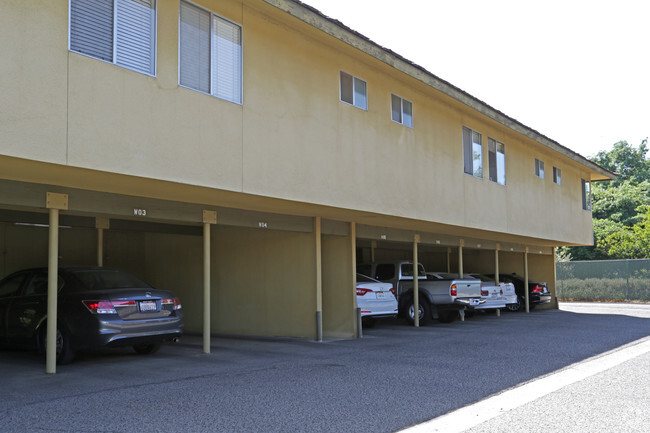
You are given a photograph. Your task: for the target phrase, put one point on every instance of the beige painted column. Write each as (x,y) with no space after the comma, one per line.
(496,264)
(209,218)
(319,279)
(526,281)
(353,251)
(416,283)
(373,245)
(557,304)
(54,202)
(461,244)
(101,224)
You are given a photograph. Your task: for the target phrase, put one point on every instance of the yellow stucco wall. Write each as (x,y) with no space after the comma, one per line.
(338,291)
(291,138)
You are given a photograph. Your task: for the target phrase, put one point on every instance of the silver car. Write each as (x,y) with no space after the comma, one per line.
(496,296)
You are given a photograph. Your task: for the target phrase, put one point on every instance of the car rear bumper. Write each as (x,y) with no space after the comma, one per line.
(112,333)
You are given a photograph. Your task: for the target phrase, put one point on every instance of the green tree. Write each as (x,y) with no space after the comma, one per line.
(618,206)
(630,242)
(630,163)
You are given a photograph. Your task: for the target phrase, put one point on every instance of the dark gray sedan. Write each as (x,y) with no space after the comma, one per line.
(97,307)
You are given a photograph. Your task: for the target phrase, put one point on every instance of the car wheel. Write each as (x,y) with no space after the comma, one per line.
(448,316)
(424,311)
(64,352)
(146,349)
(513,307)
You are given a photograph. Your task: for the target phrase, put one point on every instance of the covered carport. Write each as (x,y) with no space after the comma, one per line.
(457,254)
(237,271)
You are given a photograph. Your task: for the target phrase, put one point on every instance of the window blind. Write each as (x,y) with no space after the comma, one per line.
(91,28)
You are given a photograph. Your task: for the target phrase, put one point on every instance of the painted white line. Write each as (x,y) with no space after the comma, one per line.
(477,413)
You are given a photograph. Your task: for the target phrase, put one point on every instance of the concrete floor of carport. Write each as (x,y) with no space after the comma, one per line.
(394,377)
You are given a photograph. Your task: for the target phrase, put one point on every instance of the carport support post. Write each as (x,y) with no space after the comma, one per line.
(101,224)
(526,280)
(416,289)
(209,218)
(461,244)
(54,202)
(496,271)
(353,256)
(319,279)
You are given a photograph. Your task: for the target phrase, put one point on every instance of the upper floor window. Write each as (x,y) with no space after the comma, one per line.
(353,91)
(472,152)
(586,195)
(401,111)
(557,176)
(122,32)
(210,53)
(497,161)
(539,168)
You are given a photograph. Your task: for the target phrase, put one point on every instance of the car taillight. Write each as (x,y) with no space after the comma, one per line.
(100,307)
(175,302)
(484,292)
(538,288)
(362,291)
(454,290)
(392,290)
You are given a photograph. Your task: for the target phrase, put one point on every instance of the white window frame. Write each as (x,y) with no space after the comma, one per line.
(213,88)
(586,195)
(539,168)
(497,171)
(557,175)
(114,44)
(404,116)
(470,156)
(356,82)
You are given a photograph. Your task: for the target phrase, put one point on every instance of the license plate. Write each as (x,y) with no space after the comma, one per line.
(148,306)
(381,295)
(474,301)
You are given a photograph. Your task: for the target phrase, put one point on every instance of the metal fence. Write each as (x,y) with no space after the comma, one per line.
(615,280)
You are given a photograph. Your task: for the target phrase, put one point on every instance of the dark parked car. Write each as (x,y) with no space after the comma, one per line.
(97,307)
(538,293)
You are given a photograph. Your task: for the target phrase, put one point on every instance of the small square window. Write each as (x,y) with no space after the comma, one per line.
(539,168)
(353,91)
(557,176)
(401,111)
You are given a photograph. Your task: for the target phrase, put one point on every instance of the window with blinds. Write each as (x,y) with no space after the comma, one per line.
(122,32)
(472,152)
(210,53)
(497,161)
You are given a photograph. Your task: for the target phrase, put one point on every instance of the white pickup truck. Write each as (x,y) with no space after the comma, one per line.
(439,296)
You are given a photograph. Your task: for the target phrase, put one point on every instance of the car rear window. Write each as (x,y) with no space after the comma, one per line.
(107,279)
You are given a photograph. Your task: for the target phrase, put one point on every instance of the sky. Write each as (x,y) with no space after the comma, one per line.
(576,71)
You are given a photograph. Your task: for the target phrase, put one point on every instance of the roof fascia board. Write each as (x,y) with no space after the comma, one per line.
(349,36)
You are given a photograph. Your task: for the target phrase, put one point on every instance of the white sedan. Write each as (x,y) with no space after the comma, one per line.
(375,299)
(496,296)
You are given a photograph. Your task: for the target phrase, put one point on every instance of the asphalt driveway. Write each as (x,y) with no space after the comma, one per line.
(394,377)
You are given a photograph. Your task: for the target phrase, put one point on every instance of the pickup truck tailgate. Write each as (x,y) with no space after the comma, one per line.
(468,288)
